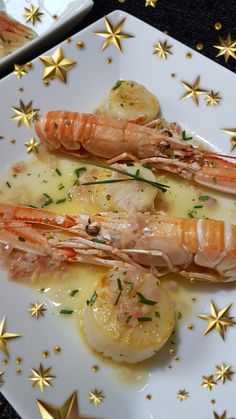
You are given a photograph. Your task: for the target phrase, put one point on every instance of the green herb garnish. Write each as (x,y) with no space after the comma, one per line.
(180,315)
(144,319)
(66,311)
(100,182)
(184,137)
(108,197)
(60,186)
(58,172)
(73,292)
(92,299)
(144,300)
(21,239)
(8,184)
(98,241)
(119,284)
(198,206)
(47,202)
(80,170)
(157,314)
(117,85)
(118,297)
(70,196)
(203,198)
(59,201)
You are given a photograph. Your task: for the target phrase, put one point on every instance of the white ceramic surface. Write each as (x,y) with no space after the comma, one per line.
(69,13)
(88,83)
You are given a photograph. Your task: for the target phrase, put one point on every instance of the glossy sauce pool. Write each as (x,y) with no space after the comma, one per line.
(53,178)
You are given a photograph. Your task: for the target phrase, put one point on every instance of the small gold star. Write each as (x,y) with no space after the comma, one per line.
(69,409)
(162,49)
(223,416)
(41,377)
(32,14)
(1,378)
(208,382)
(96,397)
(113,34)
(182,395)
(223,372)
(152,3)
(218,319)
(37,310)
(19,71)
(32,145)
(56,66)
(227,47)
(25,114)
(193,91)
(5,336)
(212,98)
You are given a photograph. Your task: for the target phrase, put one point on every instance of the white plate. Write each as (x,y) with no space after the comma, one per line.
(88,83)
(69,13)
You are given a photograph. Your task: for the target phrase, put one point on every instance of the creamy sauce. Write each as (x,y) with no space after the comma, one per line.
(55,177)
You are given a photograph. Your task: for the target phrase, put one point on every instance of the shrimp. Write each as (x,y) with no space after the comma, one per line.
(129,317)
(203,249)
(119,140)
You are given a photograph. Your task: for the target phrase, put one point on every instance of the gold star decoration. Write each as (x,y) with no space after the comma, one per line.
(182,395)
(41,377)
(5,336)
(212,98)
(96,397)
(1,378)
(223,372)
(113,34)
(32,14)
(162,49)
(37,310)
(218,319)
(208,382)
(69,410)
(227,47)
(232,132)
(152,3)
(25,114)
(193,91)
(32,145)
(19,70)
(223,416)
(56,66)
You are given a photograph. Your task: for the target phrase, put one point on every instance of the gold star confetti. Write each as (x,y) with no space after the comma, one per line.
(1,378)
(37,310)
(41,377)
(193,91)
(113,34)
(5,336)
(80,44)
(162,49)
(32,14)
(25,114)
(56,66)
(218,319)
(151,3)
(96,397)
(223,372)
(32,145)
(19,71)
(227,47)
(182,395)
(223,416)
(208,382)
(69,410)
(212,98)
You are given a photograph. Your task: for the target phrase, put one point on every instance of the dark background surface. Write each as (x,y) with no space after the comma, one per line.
(189,21)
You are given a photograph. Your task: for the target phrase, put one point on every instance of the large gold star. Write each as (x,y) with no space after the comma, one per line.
(208,382)
(32,145)
(227,47)
(223,372)
(223,416)
(69,410)
(32,14)
(96,397)
(212,98)
(56,66)
(182,395)
(1,378)
(41,377)
(162,49)
(193,91)
(25,114)
(113,34)
(152,3)
(19,70)
(5,336)
(218,319)
(37,310)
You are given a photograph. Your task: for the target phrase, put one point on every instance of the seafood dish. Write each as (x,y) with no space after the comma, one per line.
(107,202)
(13,34)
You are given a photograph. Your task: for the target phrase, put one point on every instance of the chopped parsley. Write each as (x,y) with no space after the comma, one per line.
(8,184)
(64,311)
(70,196)
(79,171)
(21,239)
(60,201)
(73,293)
(157,314)
(119,284)
(180,315)
(203,197)
(92,299)
(58,172)
(61,186)
(98,241)
(144,300)
(117,85)
(118,297)
(47,202)
(184,137)
(144,319)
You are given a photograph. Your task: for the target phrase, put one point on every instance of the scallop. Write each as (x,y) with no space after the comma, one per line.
(129,317)
(132,101)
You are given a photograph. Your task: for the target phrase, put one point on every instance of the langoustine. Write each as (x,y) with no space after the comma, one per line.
(120,140)
(203,249)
